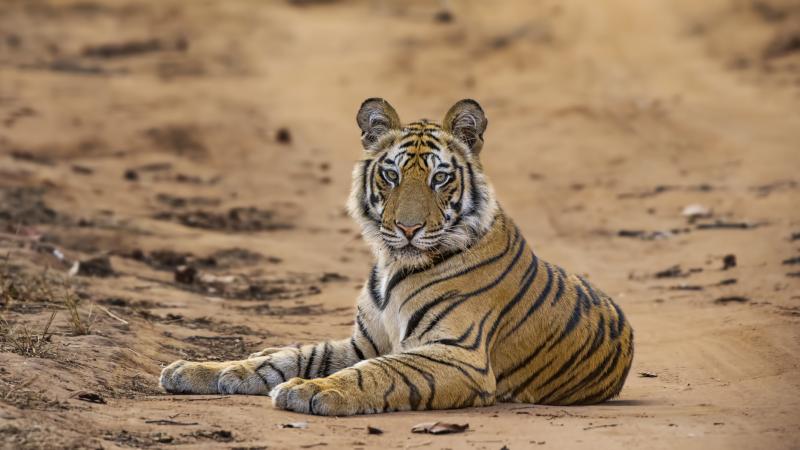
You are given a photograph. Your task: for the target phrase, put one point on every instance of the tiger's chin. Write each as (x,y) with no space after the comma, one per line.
(412,256)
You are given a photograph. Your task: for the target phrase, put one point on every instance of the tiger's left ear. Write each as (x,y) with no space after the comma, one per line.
(376,117)
(466,121)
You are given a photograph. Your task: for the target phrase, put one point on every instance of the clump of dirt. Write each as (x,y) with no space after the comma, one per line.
(139,440)
(99,266)
(214,435)
(182,140)
(170,259)
(20,395)
(175,201)
(25,206)
(212,348)
(130,304)
(233,257)
(125,49)
(166,259)
(676,272)
(136,385)
(283,136)
(35,158)
(242,288)
(315,309)
(207,323)
(785,42)
(237,219)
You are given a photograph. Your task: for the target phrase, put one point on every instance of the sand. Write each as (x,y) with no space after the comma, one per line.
(216,140)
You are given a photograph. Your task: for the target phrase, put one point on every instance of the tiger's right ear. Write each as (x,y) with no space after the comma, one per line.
(376,117)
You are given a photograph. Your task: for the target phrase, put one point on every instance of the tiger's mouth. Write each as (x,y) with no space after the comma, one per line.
(408,250)
(413,250)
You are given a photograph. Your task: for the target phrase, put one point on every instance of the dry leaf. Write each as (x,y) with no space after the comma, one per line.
(87,396)
(294,425)
(696,211)
(439,428)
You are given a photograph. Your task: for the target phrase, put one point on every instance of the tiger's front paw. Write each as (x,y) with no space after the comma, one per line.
(184,377)
(319,396)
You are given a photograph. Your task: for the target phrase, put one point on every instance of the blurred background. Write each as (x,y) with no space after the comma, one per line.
(193,158)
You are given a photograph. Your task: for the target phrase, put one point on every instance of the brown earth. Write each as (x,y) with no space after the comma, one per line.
(140,137)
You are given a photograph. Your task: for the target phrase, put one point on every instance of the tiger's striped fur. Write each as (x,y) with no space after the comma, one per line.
(457,311)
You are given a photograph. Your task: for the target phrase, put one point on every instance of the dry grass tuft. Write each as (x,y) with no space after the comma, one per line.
(21,289)
(17,286)
(21,340)
(78,325)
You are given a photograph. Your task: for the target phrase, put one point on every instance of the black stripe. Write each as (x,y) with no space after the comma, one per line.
(359,379)
(524,385)
(365,176)
(581,304)
(363,329)
(536,304)
(599,339)
(560,290)
(433,145)
(526,282)
(374,290)
(326,360)
(590,289)
(596,374)
(517,367)
(475,193)
(475,343)
(460,169)
(448,364)
(568,363)
(388,391)
(459,339)
(428,379)
(602,379)
(359,353)
(615,333)
(414,397)
(274,368)
(419,314)
(307,372)
(482,370)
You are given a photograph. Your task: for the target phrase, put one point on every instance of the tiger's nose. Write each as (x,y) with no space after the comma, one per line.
(408,230)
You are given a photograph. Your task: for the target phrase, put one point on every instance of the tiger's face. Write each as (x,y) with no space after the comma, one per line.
(420,192)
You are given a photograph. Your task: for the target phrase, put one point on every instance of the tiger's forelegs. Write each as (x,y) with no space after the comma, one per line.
(263,371)
(430,377)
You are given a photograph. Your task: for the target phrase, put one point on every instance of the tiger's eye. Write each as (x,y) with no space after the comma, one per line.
(390,175)
(440,178)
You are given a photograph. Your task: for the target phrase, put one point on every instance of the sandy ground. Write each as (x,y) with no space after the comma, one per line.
(139,137)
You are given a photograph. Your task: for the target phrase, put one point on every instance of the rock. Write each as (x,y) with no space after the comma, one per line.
(96,267)
(185,274)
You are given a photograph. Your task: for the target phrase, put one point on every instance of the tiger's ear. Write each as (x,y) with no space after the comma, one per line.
(466,121)
(376,117)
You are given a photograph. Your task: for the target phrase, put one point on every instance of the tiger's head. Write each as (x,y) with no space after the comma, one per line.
(420,191)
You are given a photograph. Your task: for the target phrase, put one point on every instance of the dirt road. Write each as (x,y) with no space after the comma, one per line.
(196,156)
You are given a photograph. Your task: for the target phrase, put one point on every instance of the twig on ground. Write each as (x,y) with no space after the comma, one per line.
(112,315)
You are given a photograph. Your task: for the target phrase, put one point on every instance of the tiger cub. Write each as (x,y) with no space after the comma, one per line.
(457,310)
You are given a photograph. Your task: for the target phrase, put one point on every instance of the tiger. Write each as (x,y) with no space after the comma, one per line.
(457,310)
